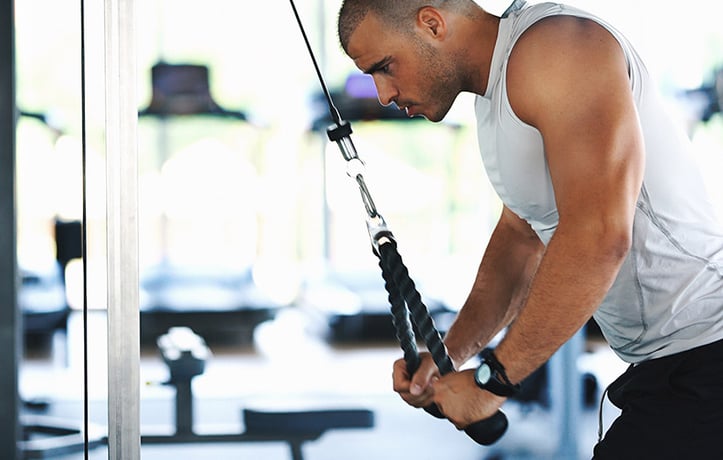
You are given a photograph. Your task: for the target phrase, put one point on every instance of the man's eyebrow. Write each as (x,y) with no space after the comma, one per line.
(377,66)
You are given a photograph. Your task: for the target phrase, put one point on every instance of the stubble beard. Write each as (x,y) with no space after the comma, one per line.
(441,82)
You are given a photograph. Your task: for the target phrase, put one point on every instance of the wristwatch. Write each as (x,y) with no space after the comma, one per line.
(491,376)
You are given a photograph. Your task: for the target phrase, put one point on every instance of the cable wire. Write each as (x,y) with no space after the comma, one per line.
(335,116)
(84,235)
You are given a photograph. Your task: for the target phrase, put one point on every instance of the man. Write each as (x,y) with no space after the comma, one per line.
(604,213)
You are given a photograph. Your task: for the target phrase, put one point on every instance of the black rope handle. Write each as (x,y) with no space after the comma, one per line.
(398,279)
(404,330)
(406,301)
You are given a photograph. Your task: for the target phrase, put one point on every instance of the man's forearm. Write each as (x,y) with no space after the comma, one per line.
(571,282)
(499,290)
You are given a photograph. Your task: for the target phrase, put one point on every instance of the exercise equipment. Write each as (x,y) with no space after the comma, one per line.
(358,101)
(353,306)
(47,437)
(43,301)
(10,322)
(186,353)
(41,294)
(184,89)
(405,301)
(44,436)
(706,100)
(226,304)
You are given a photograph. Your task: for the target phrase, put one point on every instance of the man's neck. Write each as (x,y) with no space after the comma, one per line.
(482,39)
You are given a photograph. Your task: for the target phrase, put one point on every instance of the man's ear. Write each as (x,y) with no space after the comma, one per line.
(431,22)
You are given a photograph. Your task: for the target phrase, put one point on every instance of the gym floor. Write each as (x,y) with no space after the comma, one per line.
(287,369)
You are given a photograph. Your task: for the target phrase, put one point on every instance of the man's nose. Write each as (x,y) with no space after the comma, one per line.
(386,92)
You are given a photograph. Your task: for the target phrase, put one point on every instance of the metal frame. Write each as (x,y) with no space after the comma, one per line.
(121,123)
(565,382)
(10,319)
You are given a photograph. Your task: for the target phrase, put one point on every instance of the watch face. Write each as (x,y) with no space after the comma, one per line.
(484,373)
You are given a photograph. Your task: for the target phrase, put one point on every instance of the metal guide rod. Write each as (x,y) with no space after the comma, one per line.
(122,231)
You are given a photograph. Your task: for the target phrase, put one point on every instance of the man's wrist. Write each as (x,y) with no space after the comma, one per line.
(455,355)
(491,376)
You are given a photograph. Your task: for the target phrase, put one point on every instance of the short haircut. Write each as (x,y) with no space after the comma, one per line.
(398,14)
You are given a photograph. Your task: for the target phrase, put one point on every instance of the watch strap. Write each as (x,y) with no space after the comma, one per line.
(498,383)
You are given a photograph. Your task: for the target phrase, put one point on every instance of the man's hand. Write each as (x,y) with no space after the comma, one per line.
(416,390)
(462,401)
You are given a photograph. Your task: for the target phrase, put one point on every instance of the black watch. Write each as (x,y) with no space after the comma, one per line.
(491,376)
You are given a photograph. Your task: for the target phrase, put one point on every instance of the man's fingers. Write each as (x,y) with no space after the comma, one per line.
(422,379)
(415,390)
(400,377)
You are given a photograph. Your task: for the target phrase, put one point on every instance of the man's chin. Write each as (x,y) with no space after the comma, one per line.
(417,115)
(434,118)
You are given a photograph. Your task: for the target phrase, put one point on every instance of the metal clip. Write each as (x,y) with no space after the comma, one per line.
(341,134)
(379,233)
(366,197)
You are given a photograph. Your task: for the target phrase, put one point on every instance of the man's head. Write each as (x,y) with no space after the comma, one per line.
(410,49)
(398,15)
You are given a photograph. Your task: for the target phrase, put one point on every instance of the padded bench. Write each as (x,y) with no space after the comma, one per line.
(293,428)
(185,354)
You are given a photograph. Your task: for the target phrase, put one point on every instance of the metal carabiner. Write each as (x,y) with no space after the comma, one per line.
(366,197)
(379,233)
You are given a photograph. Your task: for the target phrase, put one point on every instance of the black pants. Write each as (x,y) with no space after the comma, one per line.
(672,408)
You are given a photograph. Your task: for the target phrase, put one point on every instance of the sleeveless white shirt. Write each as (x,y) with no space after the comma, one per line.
(668,295)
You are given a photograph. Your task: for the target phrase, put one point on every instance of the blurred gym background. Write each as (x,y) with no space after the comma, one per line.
(254,252)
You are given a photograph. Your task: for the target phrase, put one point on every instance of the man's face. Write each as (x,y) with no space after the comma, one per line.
(407,70)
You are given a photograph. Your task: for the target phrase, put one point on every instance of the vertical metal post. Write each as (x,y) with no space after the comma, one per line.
(184,408)
(10,319)
(122,231)
(567,396)
(326,216)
